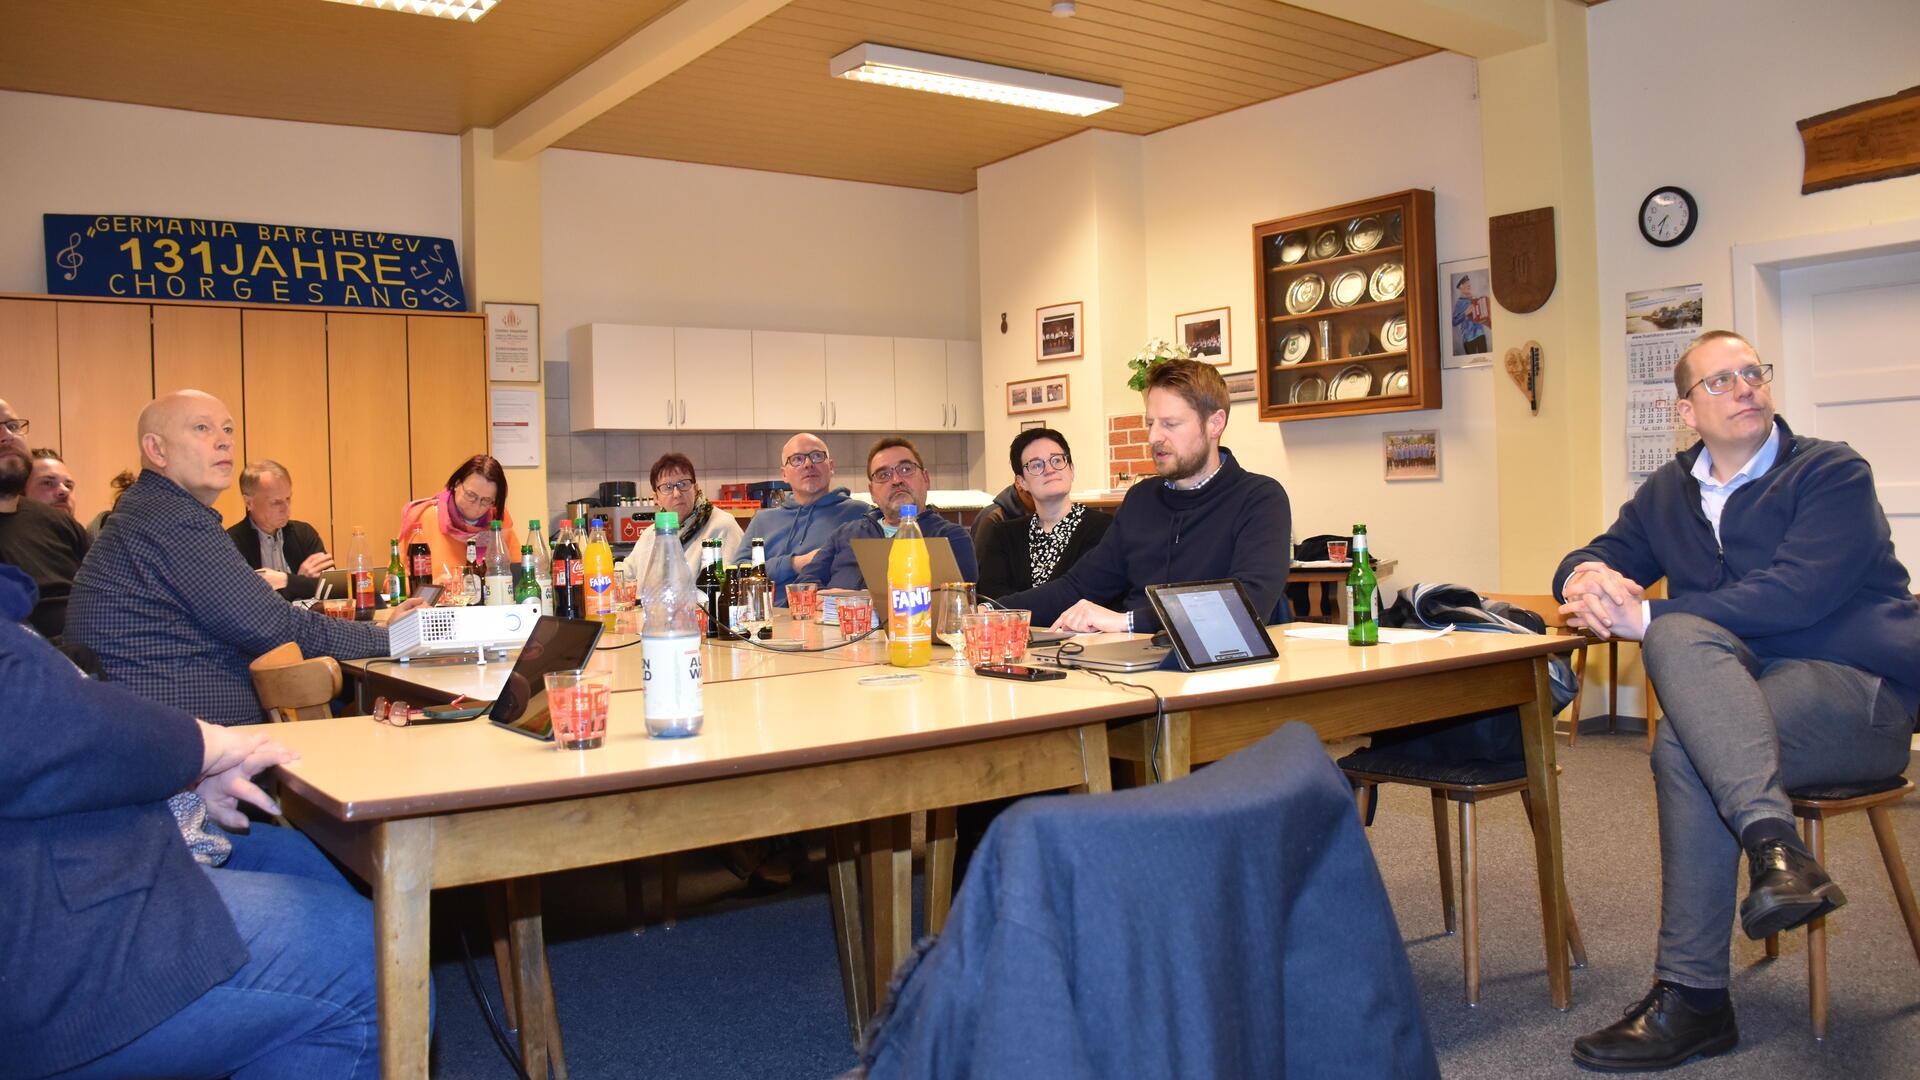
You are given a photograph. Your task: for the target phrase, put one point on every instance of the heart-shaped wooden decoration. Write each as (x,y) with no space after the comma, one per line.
(1517,367)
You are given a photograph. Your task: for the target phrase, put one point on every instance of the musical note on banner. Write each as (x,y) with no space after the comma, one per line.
(70,258)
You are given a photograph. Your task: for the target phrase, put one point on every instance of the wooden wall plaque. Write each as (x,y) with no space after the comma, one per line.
(1874,140)
(1523,261)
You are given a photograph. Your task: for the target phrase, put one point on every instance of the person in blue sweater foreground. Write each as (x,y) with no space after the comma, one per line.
(896,477)
(797,529)
(120,956)
(1784,657)
(1202,517)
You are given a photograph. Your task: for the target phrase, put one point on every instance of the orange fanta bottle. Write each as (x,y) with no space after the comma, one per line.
(909,594)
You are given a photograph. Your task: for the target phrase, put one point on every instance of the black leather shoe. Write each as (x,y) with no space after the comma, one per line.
(1785,889)
(1658,1032)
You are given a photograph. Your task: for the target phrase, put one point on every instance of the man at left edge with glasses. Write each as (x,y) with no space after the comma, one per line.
(44,542)
(896,476)
(1783,655)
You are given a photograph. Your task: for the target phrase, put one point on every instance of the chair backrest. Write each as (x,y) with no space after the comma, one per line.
(292,687)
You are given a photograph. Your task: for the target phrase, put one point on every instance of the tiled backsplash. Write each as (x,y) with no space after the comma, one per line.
(578,462)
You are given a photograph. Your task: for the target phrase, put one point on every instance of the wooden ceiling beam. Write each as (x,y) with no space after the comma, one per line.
(663,46)
(1475,28)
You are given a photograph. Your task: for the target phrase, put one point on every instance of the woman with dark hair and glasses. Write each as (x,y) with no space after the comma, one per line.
(677,488)
(474,498)
(1024,552)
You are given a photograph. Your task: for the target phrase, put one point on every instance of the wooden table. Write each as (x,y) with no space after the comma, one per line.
(1345,691)
(422,808)
(1318,578)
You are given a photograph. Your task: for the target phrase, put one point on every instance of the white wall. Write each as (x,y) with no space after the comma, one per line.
(1705,95)
(1065,222)
(1207,183)
(638,240)
(68,155)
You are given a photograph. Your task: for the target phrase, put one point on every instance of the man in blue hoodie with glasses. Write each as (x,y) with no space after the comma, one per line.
(796,530)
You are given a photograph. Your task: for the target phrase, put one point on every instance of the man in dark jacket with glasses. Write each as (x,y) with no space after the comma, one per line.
(1784,658)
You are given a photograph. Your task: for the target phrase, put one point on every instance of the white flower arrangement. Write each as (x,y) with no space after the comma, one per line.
(1154,353)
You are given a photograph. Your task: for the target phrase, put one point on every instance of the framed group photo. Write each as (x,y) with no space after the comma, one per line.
(1038,395)
(1206,335)
(1412,455)
(1060,332)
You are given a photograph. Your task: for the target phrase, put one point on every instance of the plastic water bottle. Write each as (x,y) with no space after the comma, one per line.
(597,563)
(670,637)
(499,579)
(909,594)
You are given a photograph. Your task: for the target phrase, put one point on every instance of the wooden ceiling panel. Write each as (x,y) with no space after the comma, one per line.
(309,60)
(762,100)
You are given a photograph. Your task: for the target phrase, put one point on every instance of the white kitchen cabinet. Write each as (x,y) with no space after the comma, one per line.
(860,383)
(621,377)
(965,394)
(920,384)
(713,374)
(789,381)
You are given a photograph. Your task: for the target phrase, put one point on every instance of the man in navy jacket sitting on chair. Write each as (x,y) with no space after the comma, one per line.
(1203,517)
(1784,658)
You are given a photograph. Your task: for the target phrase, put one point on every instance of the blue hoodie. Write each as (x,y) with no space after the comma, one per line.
(792,529)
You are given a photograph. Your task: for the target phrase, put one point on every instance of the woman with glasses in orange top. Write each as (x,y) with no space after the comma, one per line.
(475,497)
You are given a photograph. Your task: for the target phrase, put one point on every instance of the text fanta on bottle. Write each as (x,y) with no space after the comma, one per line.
(909,594)
(597,560)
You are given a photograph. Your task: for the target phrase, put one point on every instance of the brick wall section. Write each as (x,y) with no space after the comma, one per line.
(1127,453)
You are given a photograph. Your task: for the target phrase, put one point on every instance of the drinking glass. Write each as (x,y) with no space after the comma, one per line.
(578,700)
(950,602)
(977,629)
(1013,634)
(759,606)
(803,600)
(855,611)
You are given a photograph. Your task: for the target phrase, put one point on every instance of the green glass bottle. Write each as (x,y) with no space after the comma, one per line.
(396,590)
(526,589)
(1363,594)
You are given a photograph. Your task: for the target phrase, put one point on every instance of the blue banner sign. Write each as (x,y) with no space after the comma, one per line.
(172,258)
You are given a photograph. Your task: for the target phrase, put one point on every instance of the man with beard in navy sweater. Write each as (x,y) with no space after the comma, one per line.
(1202,517)
(1784,658)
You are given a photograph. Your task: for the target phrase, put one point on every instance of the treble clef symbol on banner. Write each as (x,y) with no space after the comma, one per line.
(70,258)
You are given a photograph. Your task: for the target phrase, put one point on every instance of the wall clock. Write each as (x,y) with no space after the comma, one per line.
(1667,217)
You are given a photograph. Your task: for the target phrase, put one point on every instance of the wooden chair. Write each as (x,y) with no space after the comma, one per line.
(292,687)
(1813,806)
(1548,609)
(1467,785)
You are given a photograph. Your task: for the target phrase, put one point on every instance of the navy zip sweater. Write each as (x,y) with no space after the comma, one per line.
(1234,527)
(1804,568)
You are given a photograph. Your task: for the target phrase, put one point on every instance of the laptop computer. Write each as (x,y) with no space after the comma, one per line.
(871,554)
(555,645)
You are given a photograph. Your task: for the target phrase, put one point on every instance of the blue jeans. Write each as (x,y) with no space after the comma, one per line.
(304,1003)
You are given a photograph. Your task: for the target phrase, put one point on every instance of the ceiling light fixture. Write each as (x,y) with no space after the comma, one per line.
(471,10)
(912,70)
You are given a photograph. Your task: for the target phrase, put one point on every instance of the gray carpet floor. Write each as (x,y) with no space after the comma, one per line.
(1613,876)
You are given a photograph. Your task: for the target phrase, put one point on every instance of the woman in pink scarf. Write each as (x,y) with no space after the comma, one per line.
(475,496)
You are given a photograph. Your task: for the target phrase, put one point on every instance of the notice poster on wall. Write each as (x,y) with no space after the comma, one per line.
(1660,322)
(513,342)
(515,427)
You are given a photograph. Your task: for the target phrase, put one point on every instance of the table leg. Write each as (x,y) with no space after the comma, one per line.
(843,891)
(1174,752)
(888,909)
(539,1022)
(1095,761)
(941,826)
(403,869)
(1543,788)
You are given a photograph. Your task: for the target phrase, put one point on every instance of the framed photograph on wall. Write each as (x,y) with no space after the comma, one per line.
(1413,455)
(1058,330)
(1205,334)
(1029,425)
(1242,385)
(1038,395)
(1466,314)
(513,342)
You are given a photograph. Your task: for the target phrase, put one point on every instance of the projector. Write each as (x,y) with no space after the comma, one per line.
(436,631)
